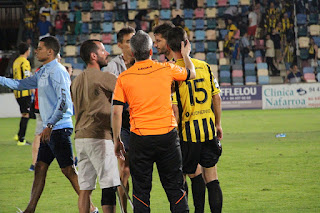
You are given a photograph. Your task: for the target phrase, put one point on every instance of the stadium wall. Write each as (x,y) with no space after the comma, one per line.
(282,96)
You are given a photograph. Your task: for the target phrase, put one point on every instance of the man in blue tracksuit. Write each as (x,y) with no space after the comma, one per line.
(55,104)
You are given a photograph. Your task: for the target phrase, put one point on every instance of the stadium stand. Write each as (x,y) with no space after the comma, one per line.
(207,28)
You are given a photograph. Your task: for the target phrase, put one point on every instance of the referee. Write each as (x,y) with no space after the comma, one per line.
(197,124)
(22,70)
(146,87)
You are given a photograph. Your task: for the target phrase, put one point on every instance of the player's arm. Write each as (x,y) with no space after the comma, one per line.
(24,84)
(216,99)
(185,52)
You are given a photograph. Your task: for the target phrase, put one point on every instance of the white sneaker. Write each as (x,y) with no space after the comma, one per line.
(96,210)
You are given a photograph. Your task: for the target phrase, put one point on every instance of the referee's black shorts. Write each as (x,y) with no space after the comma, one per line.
(194,153)
(165,151)
(24,104)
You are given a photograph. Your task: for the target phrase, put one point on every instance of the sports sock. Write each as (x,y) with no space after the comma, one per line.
(23,128)
(185,185)
(198,193)
(215,196)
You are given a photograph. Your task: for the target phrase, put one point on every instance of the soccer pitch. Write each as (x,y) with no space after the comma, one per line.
(257,171)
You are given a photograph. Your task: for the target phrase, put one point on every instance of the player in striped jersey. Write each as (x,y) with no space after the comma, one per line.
(197,124)
(21,70)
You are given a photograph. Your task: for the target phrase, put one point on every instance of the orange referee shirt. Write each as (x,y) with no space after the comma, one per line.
(146,87)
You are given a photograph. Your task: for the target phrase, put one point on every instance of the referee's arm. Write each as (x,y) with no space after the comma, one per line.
(216,99)
(117,109)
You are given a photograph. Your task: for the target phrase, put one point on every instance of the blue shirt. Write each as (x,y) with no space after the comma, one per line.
(44,27)
(53,83)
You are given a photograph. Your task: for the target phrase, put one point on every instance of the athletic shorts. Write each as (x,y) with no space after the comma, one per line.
(96,158)
(59,147)
(252,30)
(24,104)
(203,153)
(125,138)
(39,127)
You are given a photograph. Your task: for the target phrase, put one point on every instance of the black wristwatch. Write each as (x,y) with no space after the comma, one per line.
(50,126)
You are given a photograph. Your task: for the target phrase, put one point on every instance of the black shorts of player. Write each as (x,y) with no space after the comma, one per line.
(194,153)
(164,150)
(24,103)
(59,147)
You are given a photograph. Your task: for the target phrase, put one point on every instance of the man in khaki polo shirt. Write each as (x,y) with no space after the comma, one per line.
(91,95)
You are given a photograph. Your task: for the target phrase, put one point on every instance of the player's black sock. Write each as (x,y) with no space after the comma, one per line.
(215,196)
(198,193)
(23,128)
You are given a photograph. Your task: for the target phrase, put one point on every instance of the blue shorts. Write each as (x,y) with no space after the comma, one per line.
(59,147)
(125,137)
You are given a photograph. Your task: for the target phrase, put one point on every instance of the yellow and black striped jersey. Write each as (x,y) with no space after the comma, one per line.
(194,100)
(21,70)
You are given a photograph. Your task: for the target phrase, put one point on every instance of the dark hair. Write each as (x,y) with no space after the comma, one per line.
(87,48)
(124,31)
(51,42)
(23,48)
(163,30)
(175,36)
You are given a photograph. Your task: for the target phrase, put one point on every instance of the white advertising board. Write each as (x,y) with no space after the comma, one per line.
(285,96)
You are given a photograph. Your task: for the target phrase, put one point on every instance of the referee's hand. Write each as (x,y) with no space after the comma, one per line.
(119,149)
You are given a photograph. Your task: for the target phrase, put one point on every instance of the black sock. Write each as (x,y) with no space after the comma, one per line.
(23,128)
(198,193)
(215,196)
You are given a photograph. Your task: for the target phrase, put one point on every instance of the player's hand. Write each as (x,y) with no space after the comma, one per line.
(185,48)
(119,149)
(219,132)
(45,135)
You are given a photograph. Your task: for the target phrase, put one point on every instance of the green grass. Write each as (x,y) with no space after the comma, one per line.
(257,171)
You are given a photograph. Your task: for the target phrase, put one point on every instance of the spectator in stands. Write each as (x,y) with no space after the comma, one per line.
(177,21)
(44,27)
(155,22)
(294,76)
(288,55)
(231,13)
(232,29)
(273,11)
(286,24)
(270,53)
(141,16)
(226,46)
(78,20)
(313,52)
(47,11)
(277,46)
(270,23)
(29,27)
(31,8)
(244,48)
(53,4)
(59,25)
(234,50)
(253,22)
